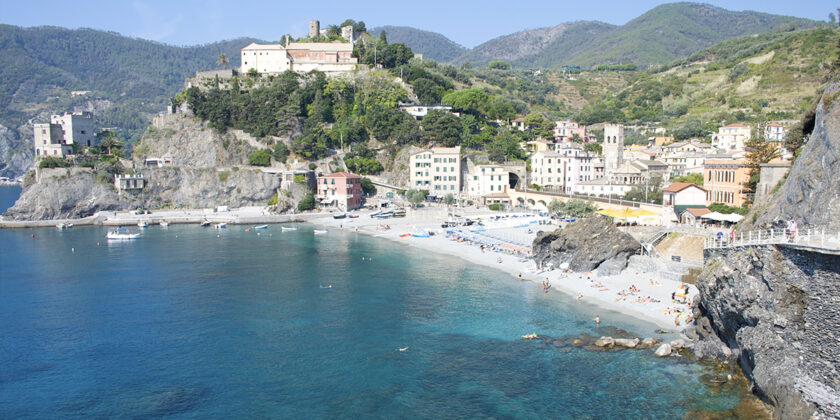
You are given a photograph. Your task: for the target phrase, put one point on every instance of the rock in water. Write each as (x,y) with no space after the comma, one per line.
(678,344)
(663,351)
(605,342)
(627,342)
(586,244)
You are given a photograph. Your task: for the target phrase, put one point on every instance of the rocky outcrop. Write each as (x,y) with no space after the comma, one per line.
(776,310)
(811,193)
(15,153)
(586,244)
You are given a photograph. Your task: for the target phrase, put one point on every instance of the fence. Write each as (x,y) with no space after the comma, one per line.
(816,237)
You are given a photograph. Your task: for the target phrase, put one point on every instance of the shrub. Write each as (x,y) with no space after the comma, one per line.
(224,175)
(299,179)
(234,169)
(495,207)
(273,200)
(312,166)
(308,203)
(54,162)
(259,158)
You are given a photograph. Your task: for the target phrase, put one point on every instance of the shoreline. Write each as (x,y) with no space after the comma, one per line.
(568,284)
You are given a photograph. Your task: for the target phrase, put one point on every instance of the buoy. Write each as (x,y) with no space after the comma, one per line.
(97,244)
(72,249)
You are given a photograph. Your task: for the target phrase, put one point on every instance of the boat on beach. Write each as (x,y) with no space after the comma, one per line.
(287,229)
(121,234)
(340,216)
(319,231)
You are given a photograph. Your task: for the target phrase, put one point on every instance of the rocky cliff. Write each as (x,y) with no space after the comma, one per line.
(776,309)
(811,193)
(208,169)
(15,153)
(587,244)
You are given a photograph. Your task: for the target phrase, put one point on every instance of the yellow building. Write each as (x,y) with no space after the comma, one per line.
(725,181)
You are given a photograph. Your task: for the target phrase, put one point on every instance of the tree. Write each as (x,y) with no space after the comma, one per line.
(691,128)
(539,126)
(367,187)
(449,199)
(427,91)
(416,196)
(442,127)
(280,152)
(694,178)
(472,101)
(222,61)
(593,148)
(504,147)
(308,203)
(554,206)
(383,37)
(794,138)
(259,158)
(108,139)
(498,65)
(576,138)
(831,18)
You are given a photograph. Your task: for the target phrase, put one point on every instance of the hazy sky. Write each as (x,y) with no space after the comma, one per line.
(189,22)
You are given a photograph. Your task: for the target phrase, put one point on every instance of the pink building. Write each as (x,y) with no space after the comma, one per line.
(565,130)
(341,189)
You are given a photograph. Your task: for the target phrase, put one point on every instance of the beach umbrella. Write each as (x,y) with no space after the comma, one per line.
(608,212)
(642,212)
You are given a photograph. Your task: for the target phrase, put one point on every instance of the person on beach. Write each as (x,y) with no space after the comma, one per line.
(520,276)
(579,296)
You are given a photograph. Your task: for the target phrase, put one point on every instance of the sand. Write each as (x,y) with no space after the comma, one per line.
(575,284)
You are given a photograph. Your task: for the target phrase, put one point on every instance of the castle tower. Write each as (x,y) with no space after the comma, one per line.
(613,147)
(314,28)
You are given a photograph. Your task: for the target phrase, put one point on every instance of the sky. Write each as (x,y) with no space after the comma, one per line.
(469,23)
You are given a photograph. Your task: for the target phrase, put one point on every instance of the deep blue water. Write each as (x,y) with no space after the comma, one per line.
(8,195)
(183,323)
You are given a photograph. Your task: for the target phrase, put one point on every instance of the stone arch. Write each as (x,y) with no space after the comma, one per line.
(520,202)
(531,202)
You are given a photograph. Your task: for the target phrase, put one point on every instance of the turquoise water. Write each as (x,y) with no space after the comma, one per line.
(8,195)
(186,324)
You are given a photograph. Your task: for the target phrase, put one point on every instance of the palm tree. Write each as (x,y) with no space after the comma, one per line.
(109,140)
(222,61)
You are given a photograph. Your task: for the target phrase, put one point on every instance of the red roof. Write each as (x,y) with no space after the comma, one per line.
(735,126)
(698,212)
(679,186)
(341,175)
(519,120)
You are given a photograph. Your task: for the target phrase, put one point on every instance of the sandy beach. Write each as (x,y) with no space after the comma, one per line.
(601,291)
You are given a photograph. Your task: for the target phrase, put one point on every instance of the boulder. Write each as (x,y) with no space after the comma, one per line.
(678,344)
(648,343)
(663,351)
(605,342)
(627,342)
(587,244)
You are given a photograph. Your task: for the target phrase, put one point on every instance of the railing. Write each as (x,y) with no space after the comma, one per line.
(816,237)
(598,198)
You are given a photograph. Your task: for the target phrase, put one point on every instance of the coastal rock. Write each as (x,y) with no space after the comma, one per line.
(678,344)
(587,244)
(627,342)
(605,342)
(648,343)
(663,351)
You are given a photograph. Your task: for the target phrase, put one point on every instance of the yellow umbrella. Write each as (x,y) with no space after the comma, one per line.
(609,212)
(642,212)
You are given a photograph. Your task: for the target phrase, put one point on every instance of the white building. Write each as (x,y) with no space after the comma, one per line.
(562,170)
(613,147)
(57,137)
(732,137)
(302,57)
(602,188)
(437,170)
(129,183)
(683,194)
(420,111)
(774,132)
(487,179)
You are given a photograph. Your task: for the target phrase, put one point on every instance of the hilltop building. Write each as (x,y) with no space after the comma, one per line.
(341,189)
(302,57)
(437,170)
(57,137)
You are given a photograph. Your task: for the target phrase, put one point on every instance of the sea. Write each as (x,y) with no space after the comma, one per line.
(191,322)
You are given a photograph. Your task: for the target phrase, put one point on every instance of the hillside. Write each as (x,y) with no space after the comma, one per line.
(431,44)
(659,36)
(129,79)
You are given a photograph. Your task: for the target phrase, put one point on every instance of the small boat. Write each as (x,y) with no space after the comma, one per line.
(420,233)
(340,216)
(319,232)
(286,229)
(353,216)
(142,224)
(69,225)
(530,336)
(261,227)
(61,226)
(121,234)
(205,223)
(164,223)
(220,225)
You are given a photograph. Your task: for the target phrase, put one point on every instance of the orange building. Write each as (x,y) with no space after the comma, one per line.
(725,181)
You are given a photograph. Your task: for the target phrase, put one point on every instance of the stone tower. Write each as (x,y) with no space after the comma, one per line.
(613,147)
(314,28)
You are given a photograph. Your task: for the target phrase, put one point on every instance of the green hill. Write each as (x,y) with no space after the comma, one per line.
(431,44)
(661,35)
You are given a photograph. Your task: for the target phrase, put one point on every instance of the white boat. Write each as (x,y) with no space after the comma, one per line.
(286,229)
(205,223)
(261,227)
(61,226)
(319,232)
(69,225)
(164,223)
(121,234)
(220,225)
(142,224)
